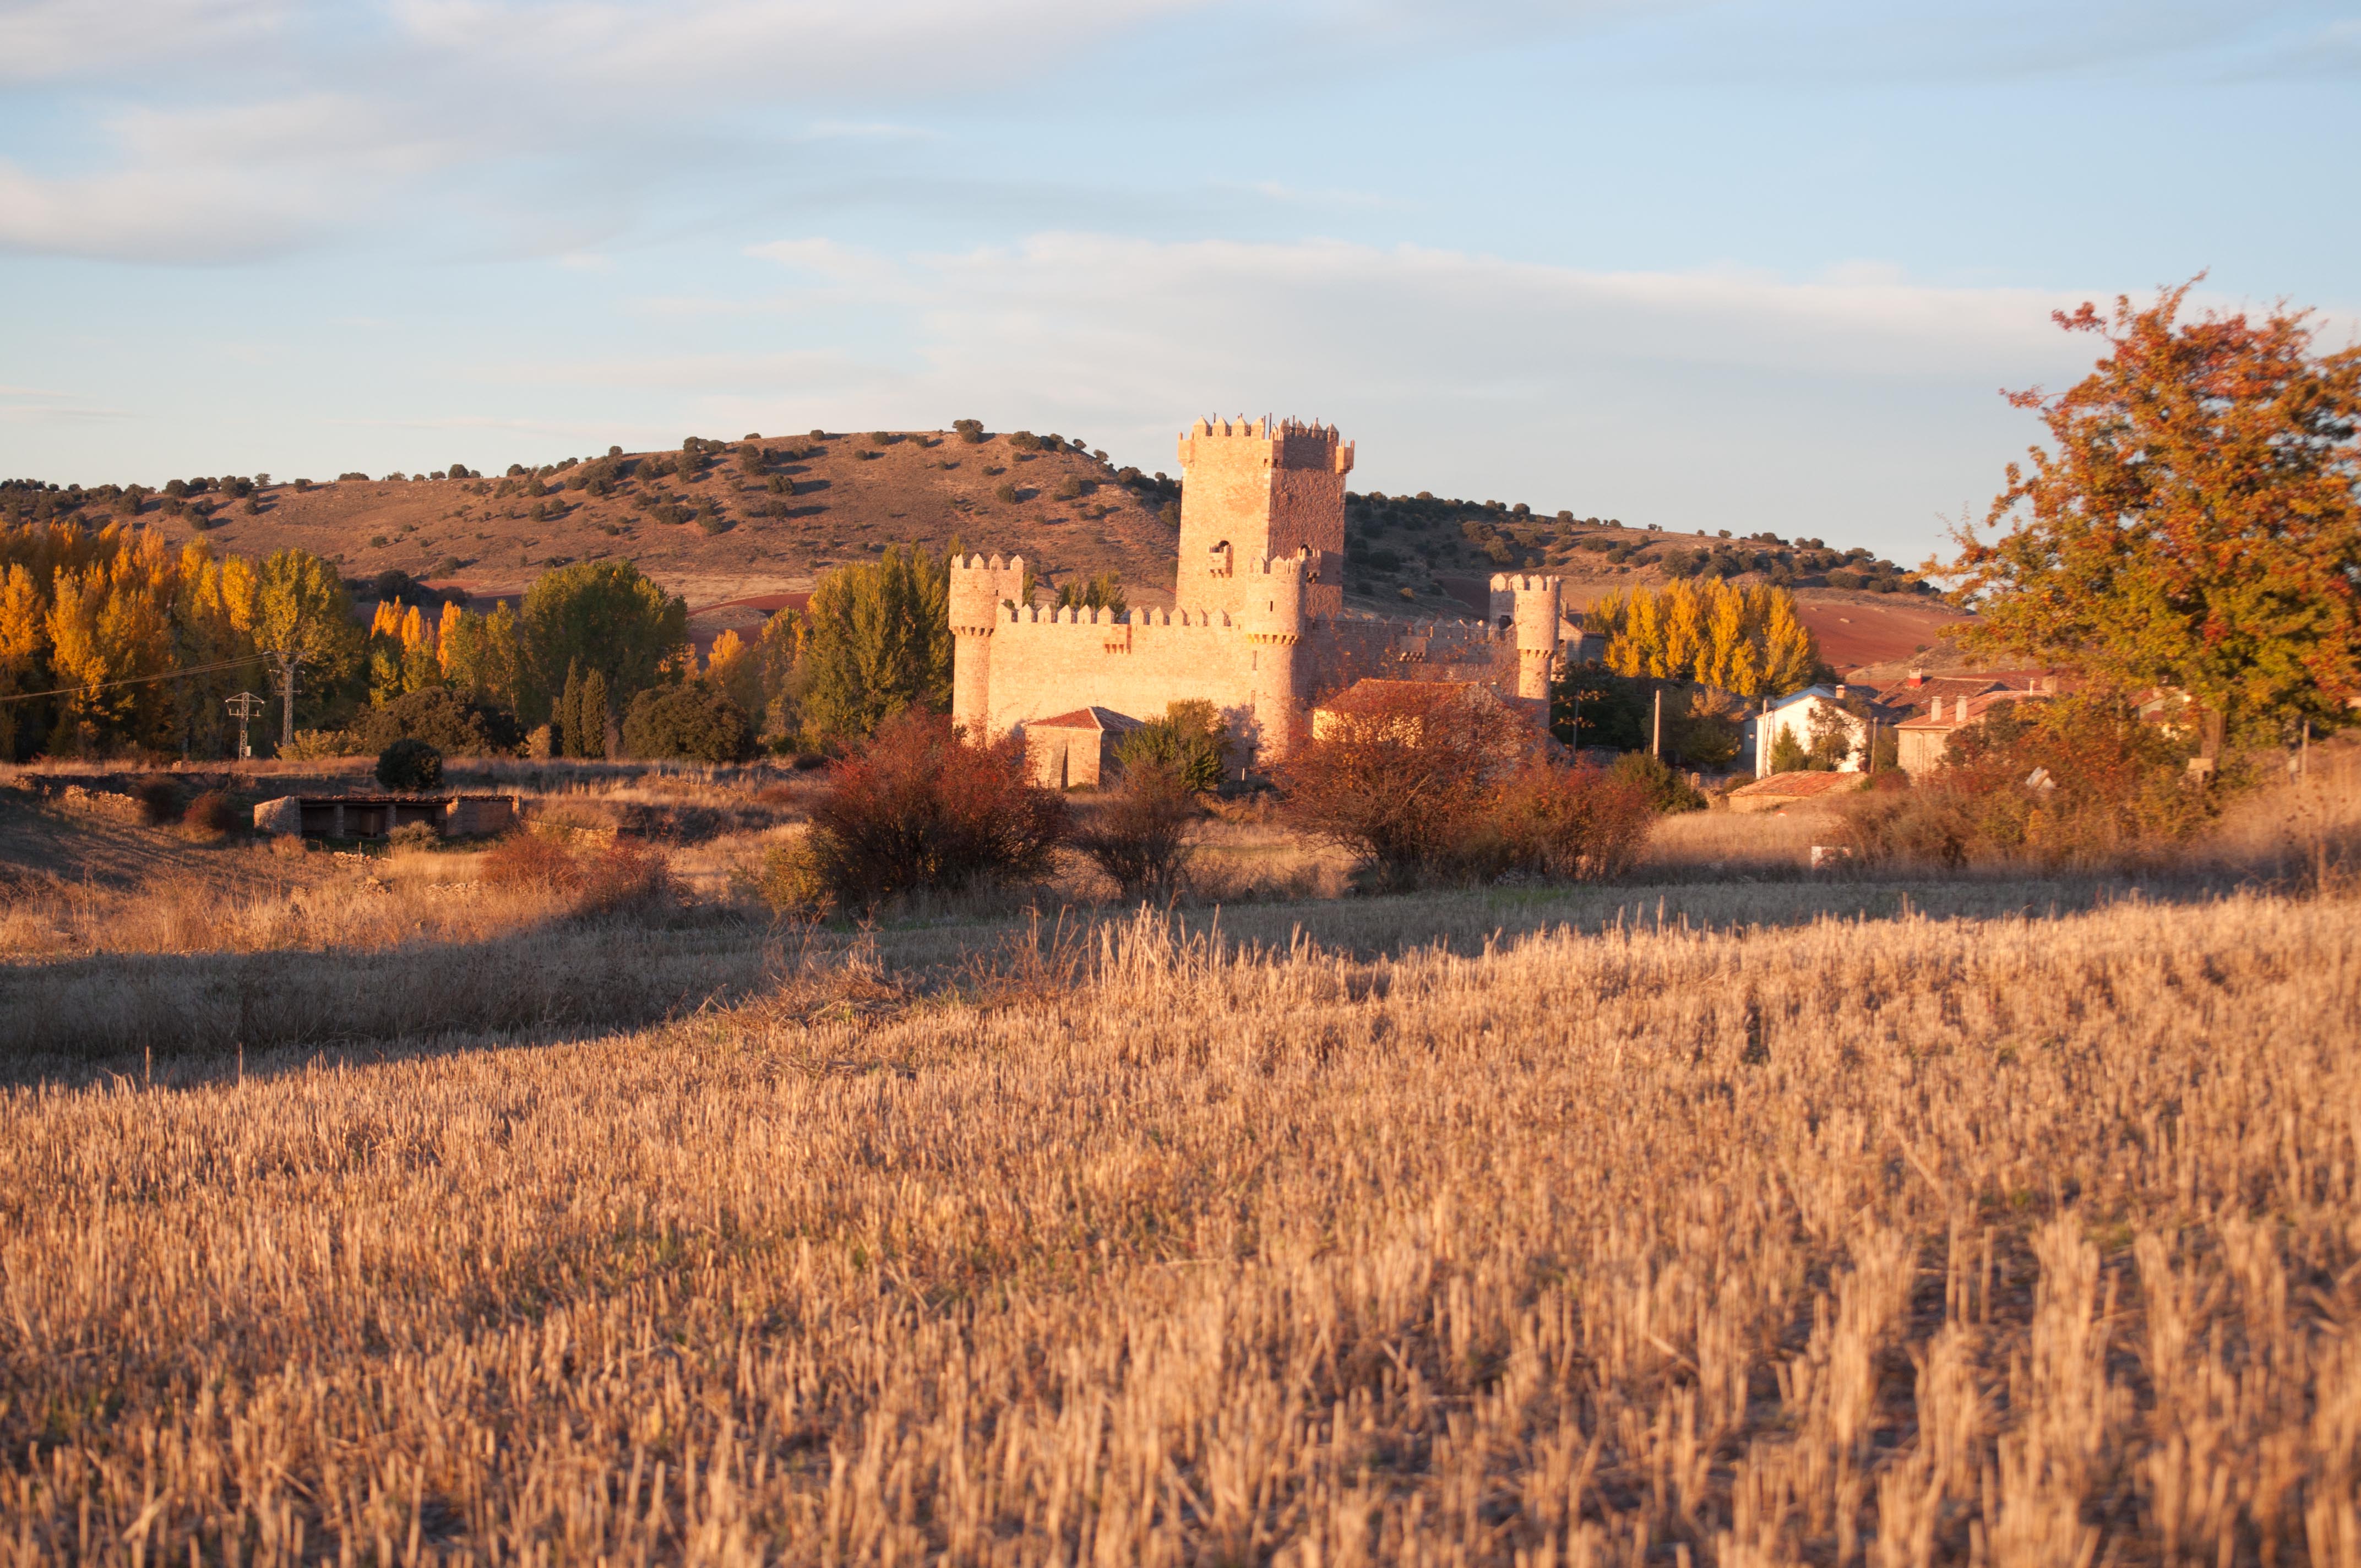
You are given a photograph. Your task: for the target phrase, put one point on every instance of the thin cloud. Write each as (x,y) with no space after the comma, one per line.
(47,40)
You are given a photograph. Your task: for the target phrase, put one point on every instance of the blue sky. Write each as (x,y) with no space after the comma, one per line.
(1719,265)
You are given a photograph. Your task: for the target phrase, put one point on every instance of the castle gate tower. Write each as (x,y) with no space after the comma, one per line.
(1252,490)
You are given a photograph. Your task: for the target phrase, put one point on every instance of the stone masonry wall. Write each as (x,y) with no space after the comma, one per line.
(1043,665)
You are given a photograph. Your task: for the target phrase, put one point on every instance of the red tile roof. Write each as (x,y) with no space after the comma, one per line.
(1095,719)
(1799,786)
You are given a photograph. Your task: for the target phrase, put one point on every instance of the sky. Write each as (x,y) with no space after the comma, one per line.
(1706,265)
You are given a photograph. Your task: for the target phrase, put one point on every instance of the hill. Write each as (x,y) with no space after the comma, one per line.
(739,528)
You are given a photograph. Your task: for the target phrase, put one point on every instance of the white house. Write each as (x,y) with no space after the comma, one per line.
(1794,715)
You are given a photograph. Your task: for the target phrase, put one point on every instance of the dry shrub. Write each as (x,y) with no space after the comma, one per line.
(212,813)
(1138,833)
(160,801)
(1401,777)
(618,877)
(919,808)
(2071,781)
(624,877)
(528,860)
(1564,824)
(793,879)
(1440,781)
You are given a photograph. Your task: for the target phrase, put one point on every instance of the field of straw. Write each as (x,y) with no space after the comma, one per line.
(1733,1221)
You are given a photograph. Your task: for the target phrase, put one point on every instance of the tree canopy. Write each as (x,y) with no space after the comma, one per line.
(602,616)
(1748,641)
(877,642)
(2194,523)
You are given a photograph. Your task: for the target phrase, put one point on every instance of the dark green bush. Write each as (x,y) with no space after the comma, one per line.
(1665,790)
(409,765)
(692,722)
(443,720)
(1191,740)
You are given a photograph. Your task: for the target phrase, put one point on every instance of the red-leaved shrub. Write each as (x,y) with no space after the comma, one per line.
(614,878)
(2076,780)
(920,807)
(1566,823)
(1400,774)
(211,812)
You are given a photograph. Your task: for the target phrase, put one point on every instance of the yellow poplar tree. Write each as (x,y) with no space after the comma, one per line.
(1682,616)
(24,638)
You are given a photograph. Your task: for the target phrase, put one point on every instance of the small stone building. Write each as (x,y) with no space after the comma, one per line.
(1076,750)
(375,816)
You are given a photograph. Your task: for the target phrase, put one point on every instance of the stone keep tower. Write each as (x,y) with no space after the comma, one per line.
(1253,492)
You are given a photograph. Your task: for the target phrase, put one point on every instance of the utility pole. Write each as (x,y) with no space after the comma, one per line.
(244,706)
(1656,737)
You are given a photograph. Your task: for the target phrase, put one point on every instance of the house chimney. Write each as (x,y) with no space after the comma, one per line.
(1917,679)
(1935,708)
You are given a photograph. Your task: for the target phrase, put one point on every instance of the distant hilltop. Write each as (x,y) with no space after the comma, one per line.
(761,516)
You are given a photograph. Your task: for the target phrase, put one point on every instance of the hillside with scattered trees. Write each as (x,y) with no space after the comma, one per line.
(718,520)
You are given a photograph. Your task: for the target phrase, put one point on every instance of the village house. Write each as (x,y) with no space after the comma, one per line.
(1939,706)
(1796,715)
(1257,626)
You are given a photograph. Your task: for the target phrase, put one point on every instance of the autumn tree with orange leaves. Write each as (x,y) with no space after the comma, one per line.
(2196,524)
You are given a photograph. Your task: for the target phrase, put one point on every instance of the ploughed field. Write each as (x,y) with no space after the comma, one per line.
(1961,1222)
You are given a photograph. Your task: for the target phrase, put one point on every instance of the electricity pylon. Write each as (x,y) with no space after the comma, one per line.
(244,706)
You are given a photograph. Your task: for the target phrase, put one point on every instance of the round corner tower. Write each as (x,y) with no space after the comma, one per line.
(982,591)
(1530,608)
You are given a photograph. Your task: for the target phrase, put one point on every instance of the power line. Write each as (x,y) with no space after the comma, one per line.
(136,680)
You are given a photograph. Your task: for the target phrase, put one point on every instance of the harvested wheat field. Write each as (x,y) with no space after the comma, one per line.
(1889,1240)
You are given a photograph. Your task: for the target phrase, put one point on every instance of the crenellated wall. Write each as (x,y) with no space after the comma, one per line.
(1047,662)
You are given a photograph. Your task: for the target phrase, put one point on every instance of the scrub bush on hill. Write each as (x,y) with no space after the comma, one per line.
(918,808)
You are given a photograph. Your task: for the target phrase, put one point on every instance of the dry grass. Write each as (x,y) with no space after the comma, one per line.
(1974,1239)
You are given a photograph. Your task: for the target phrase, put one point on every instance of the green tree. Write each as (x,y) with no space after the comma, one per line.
(303,617)
(606,616)
(1190,742)
(2194,524)
(877,642)
(1101,592)
(590,719)
(567,718)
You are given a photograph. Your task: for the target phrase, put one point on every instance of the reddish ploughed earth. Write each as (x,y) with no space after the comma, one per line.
(1857,629)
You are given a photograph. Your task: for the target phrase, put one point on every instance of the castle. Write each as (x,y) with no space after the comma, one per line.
(1258,626)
